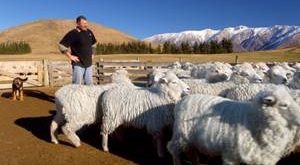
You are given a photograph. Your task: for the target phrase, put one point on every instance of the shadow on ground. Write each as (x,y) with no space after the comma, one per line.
(136,145)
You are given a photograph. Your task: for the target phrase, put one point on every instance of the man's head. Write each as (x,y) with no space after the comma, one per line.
(82,22)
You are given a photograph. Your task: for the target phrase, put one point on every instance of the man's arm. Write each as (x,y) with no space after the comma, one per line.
(94,50)
(67,52)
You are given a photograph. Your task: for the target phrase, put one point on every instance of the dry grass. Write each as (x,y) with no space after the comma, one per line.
(44,35)
(283,55)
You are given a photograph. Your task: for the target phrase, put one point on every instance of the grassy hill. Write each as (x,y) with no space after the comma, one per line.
(43,35)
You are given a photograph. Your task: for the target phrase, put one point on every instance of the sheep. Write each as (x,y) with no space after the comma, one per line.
(151,108)
(295,82)
(155,75)
(238,79)
(296,66)
(246,70)
(187,66)
(78,105)
(213,72)
(248,91)
(200,87)
(261,67)
(257,132)
(279,75)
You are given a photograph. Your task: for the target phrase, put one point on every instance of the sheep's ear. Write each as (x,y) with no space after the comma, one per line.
(163,80)
(269,100)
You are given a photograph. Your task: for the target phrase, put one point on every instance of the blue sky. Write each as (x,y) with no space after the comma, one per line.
(143,18)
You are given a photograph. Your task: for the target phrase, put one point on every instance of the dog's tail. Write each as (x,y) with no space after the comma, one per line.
(25,79)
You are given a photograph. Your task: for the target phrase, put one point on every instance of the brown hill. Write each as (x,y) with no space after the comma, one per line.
(43,35)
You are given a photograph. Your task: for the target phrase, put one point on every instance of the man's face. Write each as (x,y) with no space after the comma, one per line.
(82,24)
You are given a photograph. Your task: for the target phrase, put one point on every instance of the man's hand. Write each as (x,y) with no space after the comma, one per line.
(73,58)
(93,56)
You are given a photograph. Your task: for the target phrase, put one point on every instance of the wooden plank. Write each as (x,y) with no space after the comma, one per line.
(12,75)
(9,86)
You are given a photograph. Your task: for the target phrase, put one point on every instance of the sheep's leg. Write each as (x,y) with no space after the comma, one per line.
(104,141)
(70,132)
(53,132)
(160,146)
(56,122)
(227,160)
(175,148)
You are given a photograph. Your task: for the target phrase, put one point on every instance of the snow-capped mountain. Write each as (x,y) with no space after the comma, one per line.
(244,38)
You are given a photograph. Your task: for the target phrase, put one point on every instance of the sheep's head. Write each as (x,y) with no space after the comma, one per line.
(175,87)
(218,72)
(246,70)
(154,76)
(296,80)
(278,100)
(121,76)
(278,75)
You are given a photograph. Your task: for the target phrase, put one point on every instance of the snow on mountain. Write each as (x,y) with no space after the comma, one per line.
(243,37)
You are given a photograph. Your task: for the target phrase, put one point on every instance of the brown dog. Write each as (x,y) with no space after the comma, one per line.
(17,88)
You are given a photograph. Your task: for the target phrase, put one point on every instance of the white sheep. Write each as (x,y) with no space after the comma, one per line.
(247,70)
(257,132)
(247,91)
(279,75)
(199,87)
(78,105)
(151,108)
(212,72)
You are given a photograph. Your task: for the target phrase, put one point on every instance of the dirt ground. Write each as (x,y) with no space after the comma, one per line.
(24,138)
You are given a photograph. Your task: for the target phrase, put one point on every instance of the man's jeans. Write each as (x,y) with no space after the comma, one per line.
(80,73)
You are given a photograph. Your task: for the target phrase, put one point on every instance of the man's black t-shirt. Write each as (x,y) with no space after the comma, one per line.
(80,42)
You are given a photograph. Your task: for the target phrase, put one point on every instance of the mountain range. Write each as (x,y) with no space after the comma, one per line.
(243,38)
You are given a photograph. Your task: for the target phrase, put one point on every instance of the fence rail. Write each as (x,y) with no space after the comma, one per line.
(59,73)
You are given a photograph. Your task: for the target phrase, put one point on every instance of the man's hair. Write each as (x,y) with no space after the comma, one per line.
(79,18)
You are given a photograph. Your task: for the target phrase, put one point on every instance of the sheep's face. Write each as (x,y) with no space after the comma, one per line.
(155,76)
(261,67)
(296,80)
(246,70)
(218,72)
(120,76)
(278,75)
(174,85)
(278,99)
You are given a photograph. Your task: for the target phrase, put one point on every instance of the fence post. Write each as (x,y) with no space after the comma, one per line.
(46,73)
(40,74)
(236,59)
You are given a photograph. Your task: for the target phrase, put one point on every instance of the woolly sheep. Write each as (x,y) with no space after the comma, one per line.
(212,71)
(246,70)
(261,66)
(279,75)
(78,105)
(255,132)
(151,108)
(238,79)
(199,87)
(247,91)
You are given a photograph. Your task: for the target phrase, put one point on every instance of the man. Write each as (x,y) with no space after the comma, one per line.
(80,40)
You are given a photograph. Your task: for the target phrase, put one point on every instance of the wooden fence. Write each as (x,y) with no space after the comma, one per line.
(59,73)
